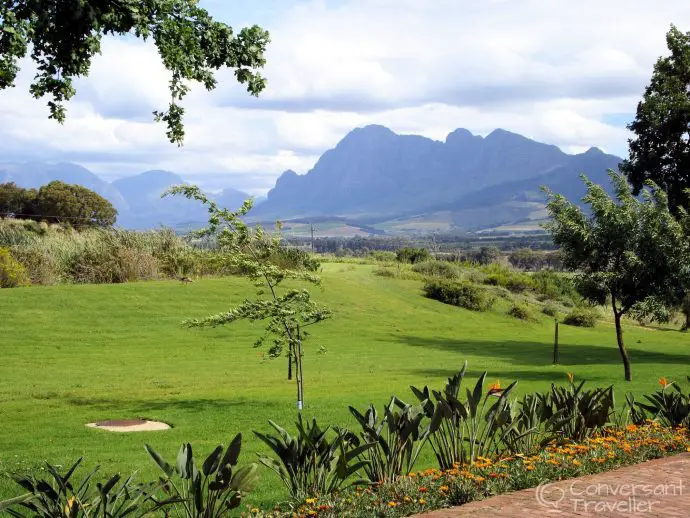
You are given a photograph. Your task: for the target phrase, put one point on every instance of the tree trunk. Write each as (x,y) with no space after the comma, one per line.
(621,345)
(298,371)
(289,361)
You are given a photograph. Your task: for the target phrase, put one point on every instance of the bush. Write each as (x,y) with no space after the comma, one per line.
(442,269)
(554,286)
(582,317)
(499,275)
(12,273)
(412,255)
(521,312)
(550,310)
(295,259)
(383,256)
(461,294)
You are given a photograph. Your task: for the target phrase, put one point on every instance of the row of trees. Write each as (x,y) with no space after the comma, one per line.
(633,251)
(57,202)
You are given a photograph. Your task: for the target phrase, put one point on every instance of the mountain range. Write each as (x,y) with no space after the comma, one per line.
(137,198)
(374,179)
(380,178)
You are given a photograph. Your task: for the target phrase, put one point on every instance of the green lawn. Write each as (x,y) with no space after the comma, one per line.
(76,354)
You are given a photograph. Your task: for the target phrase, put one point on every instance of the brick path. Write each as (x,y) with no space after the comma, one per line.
(656,488)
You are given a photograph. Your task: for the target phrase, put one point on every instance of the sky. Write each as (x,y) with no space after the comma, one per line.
(561,72)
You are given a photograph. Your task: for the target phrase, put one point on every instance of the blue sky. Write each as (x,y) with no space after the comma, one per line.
(562,72)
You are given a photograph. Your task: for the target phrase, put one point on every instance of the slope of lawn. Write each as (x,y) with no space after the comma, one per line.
(76,354)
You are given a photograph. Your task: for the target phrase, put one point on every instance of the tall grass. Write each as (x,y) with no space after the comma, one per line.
(55,254)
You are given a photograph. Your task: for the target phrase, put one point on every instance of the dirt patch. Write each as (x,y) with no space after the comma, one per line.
(130,425)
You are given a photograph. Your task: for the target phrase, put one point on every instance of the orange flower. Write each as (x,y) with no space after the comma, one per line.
(423,489)
(422,501)
(495,388)
(663,382)
(570,377)
(392,504)
(443,489)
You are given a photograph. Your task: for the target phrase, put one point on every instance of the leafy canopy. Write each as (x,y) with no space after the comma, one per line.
(660,150)
(629,248)
(57,202)
(62,38)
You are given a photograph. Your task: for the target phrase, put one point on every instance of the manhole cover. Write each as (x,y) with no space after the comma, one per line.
(129,425)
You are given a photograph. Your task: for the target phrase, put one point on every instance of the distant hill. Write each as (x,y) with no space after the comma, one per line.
(137,198)
(377,176)
(36,174)
(372,181)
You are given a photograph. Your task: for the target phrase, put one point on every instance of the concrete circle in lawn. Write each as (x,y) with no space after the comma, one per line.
(130,425)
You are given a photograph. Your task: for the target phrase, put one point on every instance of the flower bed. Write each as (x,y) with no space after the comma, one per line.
(434,489)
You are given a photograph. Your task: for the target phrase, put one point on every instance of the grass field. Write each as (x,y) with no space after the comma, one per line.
(76,354)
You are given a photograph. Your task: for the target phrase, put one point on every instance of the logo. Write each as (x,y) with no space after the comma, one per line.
(550,495)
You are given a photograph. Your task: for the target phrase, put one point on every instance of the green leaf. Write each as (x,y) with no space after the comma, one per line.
(162,464)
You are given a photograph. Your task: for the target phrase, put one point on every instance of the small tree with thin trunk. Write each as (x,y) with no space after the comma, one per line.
(629,251)
(288,313)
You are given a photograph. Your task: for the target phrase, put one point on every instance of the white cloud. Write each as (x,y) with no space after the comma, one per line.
(550,69)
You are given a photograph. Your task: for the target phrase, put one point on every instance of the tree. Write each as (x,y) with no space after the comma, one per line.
(16,201)
(73,204)
(288,313)
(65,35)
(660,150)
(631,251)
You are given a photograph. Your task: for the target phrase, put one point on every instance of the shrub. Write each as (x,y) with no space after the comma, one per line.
(211,489)
(383,256)
(12,273)
(582,317)
(412,255)
(550,310)
(461,294)
(521,312)
(295,259)
(499,275)
(395,440)
(311,464)
(554,286)
(433,268)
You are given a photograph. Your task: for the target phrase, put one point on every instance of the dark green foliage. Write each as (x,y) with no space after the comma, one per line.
(582,317)
(206,491)
(74,204)
(461,430)
(669,405)
(412,255)
(59,496)
(660,150)
(310,463)
(556,286)
(521,312)
(16,201)
(396,439)
(295,259)
(461,294)
(550,310)
(628,251)
(499,275)
(433,268)
(65,36)
(580,412)
(57,202)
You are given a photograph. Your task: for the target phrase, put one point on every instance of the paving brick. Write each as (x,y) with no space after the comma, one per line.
(656,488)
